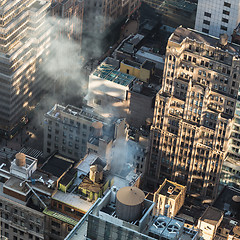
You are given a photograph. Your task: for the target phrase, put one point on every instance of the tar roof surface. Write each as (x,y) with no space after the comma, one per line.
(56,166)
(225,199)
(211,215)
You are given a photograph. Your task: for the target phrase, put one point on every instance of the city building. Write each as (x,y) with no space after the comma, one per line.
(24,44)
(236,35)
(21,184)
(175,13)
(194,111)
(230,174)
(72,13)
(217,17)
(138,148)
(103,13)
(68,130)
(114,91)
(209,222)
(169,198)
(126,214)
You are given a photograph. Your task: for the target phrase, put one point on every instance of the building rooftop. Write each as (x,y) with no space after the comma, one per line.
(72,200)
(132,63)
(86,112)
(148,65)
(181,33)
(170,189)
(212,216)
(144,52)
(57,165)
(225,202)
(109,72)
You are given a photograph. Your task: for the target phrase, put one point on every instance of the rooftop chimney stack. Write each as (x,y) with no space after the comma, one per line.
(97,129)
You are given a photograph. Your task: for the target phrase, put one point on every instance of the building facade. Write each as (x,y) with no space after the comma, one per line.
(230,174)
(24,40)
(104,220)
(194,112)
(73,132)
(104,12)
(72,12)
(169,198)
(217,16)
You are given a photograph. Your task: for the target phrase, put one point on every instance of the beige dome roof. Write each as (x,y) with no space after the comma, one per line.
(130,196)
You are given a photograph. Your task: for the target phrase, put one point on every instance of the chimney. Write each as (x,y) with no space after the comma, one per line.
(223,40)
(97,129)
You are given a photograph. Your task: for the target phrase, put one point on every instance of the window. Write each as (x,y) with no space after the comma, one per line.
(56,224)
(127,71)
(206,14)
(226,12)
(205,30)
(224,20)
(223,28)
(226,4)
(206,22)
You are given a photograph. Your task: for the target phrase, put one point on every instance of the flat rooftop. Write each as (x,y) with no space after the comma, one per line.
(225,202)
(72,200)
(85,112)
(110,73)
(212,216)
(181,33)
(57,165)
(170,189)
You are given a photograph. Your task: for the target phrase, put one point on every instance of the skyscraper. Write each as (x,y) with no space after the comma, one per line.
(194,111)
(216,17)
(24,37)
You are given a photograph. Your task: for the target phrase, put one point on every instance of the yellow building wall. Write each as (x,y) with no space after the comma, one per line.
(132,70)
(144,75)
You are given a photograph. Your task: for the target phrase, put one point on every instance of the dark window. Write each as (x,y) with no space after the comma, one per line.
(226,4)
(205,30)
(67,209)
(223,28)
(226,12)
(206,22)
(56,224)
(206,14)
(224,20)
(127,71)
